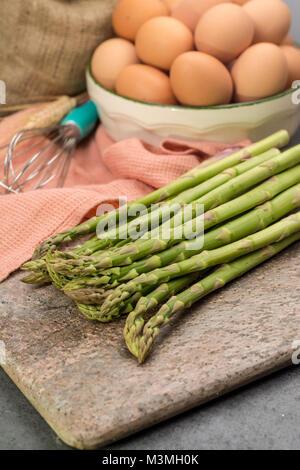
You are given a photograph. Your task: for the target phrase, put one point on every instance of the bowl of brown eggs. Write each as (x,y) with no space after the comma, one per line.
(197,69)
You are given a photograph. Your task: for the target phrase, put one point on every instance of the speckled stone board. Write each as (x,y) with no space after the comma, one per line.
(80,377)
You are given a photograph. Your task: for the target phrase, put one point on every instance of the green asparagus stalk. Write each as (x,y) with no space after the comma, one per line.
(39,277)
(35,266)
(207,186)
(251,222)
(57,279)
(94,244)
(152,297)
(150,302)
(92,311)
(89,311)
(88,296)
(140,344)
(156,241)
(219,196)
(162,213)
(190,179)
(40,274)
(227,211)
(260,217)
(159,214)
(39,269)
(266,191)
(206,259)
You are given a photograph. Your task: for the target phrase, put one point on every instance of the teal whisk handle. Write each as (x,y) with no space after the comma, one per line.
(84,117)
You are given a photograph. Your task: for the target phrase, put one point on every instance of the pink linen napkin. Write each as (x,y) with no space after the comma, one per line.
(101,170)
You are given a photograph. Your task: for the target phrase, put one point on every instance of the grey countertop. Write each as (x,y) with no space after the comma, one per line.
(264,415)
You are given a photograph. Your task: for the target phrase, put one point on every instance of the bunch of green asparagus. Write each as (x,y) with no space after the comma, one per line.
(151,265)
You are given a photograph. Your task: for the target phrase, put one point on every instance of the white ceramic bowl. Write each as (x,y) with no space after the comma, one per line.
(124,118)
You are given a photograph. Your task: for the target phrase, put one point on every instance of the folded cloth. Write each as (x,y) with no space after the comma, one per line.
(101,170)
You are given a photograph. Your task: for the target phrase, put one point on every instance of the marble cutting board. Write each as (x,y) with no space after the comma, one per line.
(81,378)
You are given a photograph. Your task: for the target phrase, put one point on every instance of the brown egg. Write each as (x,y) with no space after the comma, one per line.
(288,40)
(110,58)
(190,11)
(272,19)
(224,31)
(199,79)
(259,72)
(160,40)
(130,15)
(292,55)
(144,83)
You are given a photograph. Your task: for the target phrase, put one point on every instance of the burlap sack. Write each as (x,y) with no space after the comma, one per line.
(45,45)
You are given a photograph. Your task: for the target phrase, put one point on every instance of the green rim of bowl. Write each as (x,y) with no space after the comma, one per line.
(180,107)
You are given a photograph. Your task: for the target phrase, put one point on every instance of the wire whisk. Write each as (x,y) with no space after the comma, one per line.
(36,157)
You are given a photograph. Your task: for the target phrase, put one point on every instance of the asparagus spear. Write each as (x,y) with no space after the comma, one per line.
(57,279)
(38,266)
(190,179)
(92,311)
(140,344)
(35,266)
(206,259)
(150,302)
(151,298)
(142,248)
(88,296)
(94,244)
(234,230)
(159,214)
(39,277)
(257,219)
(219,196)
(216,216)
(207,186)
